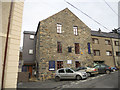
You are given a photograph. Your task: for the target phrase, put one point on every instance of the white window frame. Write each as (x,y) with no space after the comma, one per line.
(59,28)
(31,36)
(75,30)
(30,51)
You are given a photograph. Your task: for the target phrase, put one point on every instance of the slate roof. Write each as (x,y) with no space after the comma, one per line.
(105,34)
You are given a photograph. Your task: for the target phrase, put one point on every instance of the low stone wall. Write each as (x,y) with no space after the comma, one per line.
(47,76)
(23,76)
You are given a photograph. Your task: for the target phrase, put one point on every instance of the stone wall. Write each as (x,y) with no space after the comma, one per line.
(47,37)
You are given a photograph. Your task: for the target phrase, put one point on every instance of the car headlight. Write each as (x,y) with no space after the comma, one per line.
(83,73)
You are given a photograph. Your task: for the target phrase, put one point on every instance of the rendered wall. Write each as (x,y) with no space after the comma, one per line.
(12,60)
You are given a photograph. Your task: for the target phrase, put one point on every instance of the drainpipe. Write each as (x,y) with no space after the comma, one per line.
(6,44)
(113,52)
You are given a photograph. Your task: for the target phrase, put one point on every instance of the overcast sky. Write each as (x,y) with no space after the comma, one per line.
(37,10)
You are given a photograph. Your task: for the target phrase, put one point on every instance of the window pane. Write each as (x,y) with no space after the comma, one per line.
(59,28)
(107,53)
(69,71)
(30,51)
(31,36)
(75,29)
(117,43)
(61,71)
(117,53)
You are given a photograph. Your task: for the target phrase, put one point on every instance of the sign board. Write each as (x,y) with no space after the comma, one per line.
(69,61)
(51,65)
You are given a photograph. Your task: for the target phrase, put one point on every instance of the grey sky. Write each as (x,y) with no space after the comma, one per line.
(37,10)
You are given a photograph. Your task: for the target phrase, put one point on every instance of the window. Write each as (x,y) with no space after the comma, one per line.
(69,49)
(59,47)
(108,53)
(59,64)
(77,51)
(75,29)
(59,28)
(30,51)
(24,68)
(89,50)
(69,71)
(95,41)
(116,43)
(61,71)
(31,36)
(107,42)
(96,52)
(117,53)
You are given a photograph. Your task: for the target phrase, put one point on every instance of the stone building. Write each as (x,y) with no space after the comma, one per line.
(10,35)
(62,40)
(106,48)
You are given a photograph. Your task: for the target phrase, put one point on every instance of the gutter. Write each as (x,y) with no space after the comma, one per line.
(6,44)
(113,52)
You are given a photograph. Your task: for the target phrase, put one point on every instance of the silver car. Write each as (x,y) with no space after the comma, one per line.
(67,73)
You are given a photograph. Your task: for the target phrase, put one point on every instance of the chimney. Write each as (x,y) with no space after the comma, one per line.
(99,30)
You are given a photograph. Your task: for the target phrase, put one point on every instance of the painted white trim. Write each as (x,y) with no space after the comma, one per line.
(59,60)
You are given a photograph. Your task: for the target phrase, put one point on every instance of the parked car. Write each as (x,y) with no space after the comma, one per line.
(68,73)
(89,70)
(114,68)
(103,68)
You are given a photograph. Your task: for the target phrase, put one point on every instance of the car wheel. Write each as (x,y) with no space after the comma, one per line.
(89,74)
(57,79)
(78,77)
(107,72)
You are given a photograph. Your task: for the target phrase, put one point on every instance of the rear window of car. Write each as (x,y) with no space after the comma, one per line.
(61,71)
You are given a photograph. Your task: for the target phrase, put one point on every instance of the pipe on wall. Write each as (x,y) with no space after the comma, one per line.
(6,44)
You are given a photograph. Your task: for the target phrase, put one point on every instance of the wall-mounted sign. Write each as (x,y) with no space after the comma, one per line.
(69,61)
(51,65)
(81,53)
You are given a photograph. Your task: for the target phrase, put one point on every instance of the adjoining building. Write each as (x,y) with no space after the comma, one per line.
(62,40)
(29,52)
(10,35)
(106,48)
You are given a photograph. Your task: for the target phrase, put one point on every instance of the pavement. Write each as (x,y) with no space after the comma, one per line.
(99,81)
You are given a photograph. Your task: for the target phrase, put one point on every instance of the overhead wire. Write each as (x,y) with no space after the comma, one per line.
(111,8)
(86,15)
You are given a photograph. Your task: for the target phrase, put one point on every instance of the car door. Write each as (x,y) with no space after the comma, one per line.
(103,68)
(62,73)
(69,74)
(99,68)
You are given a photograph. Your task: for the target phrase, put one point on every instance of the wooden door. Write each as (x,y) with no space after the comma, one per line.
(30,70)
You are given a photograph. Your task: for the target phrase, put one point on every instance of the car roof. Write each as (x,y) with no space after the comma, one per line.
(64,68)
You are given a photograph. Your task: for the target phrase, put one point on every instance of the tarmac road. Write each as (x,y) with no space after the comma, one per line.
(99,81)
